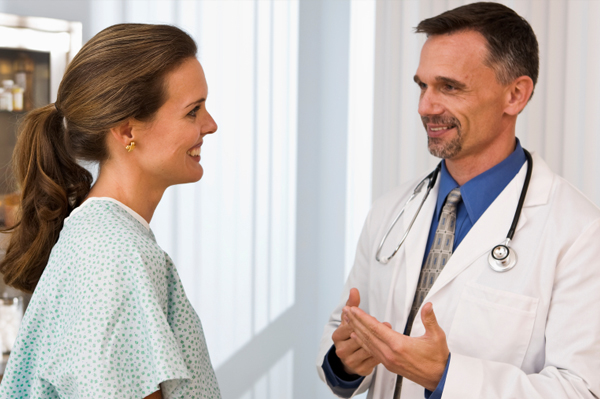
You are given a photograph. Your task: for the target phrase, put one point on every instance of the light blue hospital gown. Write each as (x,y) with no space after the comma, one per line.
(109,317)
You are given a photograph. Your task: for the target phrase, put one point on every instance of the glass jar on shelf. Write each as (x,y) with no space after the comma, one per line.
(6,100)
(9,204)
(17,93)
(11,313)
(6,69)
(23,68)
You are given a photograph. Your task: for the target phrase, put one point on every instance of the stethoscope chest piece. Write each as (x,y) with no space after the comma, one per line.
(502,258)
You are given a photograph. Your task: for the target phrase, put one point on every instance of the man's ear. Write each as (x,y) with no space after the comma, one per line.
(123,133)
(519,93)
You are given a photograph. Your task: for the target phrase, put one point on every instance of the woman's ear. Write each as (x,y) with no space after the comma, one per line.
(123,133)
(519,93)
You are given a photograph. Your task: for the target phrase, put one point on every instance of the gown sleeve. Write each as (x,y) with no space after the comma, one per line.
(117,341)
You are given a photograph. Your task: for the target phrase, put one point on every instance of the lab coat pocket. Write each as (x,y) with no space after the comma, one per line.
(492,324)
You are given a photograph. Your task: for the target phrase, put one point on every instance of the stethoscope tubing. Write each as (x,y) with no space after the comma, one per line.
(432,177)
(513,226)
(503,264)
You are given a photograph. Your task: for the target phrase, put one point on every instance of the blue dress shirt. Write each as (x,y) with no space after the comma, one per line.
(477,195)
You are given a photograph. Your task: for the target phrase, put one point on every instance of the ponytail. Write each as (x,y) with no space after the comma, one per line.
(52,183)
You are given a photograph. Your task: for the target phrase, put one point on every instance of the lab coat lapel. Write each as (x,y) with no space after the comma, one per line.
(490,230)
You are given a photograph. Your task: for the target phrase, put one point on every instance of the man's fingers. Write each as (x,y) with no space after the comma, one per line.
(356,358)
(360,362)
(352,356)
(347,350)
(374,336)
(366,367)
(360,343)
(366,323)
(353,298)
(342,333)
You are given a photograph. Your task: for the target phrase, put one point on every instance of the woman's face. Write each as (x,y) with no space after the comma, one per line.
(168,147)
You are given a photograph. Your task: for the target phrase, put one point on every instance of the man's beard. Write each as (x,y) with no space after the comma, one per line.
(437,146)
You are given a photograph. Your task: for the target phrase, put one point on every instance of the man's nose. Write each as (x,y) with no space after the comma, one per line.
(429,104)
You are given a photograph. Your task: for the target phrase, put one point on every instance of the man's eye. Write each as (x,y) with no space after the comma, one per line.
(450,88)
(194,111)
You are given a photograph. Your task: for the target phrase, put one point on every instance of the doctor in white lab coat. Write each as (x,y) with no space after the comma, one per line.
(532,332)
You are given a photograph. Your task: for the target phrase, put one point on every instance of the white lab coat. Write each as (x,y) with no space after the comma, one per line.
(530,333)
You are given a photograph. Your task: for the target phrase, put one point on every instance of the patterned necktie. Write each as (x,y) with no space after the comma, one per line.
(439,253)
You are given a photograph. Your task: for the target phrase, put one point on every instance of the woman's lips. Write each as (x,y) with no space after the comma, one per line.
(194,151)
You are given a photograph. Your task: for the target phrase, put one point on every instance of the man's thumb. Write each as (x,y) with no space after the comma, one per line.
(428,317)
(353,298)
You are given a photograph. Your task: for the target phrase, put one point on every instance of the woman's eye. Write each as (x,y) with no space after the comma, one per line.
(194,111)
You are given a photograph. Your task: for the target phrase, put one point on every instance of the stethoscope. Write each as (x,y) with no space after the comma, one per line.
(502,257)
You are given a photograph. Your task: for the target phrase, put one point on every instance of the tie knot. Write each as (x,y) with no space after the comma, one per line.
(453,197)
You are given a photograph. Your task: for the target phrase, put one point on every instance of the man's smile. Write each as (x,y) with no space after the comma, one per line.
(437,130)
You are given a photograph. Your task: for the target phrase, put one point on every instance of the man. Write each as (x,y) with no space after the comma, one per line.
(532,331)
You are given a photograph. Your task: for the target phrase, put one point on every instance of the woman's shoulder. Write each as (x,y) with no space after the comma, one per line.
(101,238)
(107,214)
(106,225)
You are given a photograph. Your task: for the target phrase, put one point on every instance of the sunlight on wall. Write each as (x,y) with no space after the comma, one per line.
(360,122)
(232,236)
(277,383)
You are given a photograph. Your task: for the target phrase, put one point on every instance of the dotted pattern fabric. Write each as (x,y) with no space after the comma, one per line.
(109,318)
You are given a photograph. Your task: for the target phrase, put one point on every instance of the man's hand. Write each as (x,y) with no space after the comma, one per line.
(420,359)
(356,360)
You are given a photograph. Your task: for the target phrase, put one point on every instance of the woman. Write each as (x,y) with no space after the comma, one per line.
(109,317)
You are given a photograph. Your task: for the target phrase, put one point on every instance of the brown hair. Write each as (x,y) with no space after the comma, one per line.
(512,45)
(119,74)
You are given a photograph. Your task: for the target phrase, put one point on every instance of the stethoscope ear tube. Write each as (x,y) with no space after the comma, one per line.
(431,178)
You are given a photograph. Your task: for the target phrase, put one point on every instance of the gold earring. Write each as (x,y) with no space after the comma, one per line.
(130,147)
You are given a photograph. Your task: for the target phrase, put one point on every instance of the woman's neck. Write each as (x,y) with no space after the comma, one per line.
(128,187)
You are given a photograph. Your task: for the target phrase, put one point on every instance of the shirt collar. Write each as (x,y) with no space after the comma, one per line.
(479,192)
